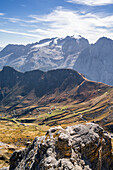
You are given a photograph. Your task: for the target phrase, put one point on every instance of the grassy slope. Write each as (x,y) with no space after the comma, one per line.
(17,131)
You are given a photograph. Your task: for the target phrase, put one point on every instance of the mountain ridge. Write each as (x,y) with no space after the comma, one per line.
(46,54)
(43,87)
(94,61)
(34,101)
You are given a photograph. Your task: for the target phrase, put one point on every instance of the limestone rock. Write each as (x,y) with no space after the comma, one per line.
(80,147)
(96,61)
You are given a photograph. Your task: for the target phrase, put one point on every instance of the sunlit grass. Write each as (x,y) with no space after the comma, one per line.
(18,131)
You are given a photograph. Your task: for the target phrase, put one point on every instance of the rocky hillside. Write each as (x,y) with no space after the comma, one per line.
(80,147)
(45,55)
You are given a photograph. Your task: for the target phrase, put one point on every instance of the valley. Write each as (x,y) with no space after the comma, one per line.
(56,85)
(69,99)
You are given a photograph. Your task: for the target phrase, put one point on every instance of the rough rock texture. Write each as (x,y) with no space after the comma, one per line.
(74,148)
(96,61)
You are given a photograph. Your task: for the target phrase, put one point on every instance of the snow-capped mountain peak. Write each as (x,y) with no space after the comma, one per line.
(46,54)
(95,61)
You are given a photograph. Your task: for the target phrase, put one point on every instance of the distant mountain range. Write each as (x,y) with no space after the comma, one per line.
(45,55)
(94,61)
(20,90)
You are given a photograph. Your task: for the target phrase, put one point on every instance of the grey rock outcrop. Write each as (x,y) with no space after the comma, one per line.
(80,147)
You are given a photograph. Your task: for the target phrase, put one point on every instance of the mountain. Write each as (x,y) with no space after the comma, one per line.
(45,55)
(34,101)
(20,90)
(77,147)
(8,78)
(15,83)
(96,61)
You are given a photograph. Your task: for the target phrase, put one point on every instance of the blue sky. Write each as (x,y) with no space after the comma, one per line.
(27,21)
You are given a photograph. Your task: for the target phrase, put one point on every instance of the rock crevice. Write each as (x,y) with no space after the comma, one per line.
(80,147)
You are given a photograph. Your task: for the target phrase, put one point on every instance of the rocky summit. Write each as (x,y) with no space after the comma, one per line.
(79,147)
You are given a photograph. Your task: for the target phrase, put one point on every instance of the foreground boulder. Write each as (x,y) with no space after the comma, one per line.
(80,147)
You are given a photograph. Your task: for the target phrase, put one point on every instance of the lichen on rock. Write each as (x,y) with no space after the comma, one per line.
(79,147)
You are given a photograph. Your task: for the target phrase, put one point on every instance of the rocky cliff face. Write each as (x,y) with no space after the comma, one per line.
(96,61)
(74,148)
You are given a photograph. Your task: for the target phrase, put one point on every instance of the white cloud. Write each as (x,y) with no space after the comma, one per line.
(1,14)
(62,22)
(18,20)
(19,33)
(14,20)
(92,2)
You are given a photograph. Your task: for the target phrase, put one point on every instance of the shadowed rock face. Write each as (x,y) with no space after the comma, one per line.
(80,147)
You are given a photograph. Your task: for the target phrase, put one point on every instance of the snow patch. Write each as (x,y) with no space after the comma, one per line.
(41,45)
